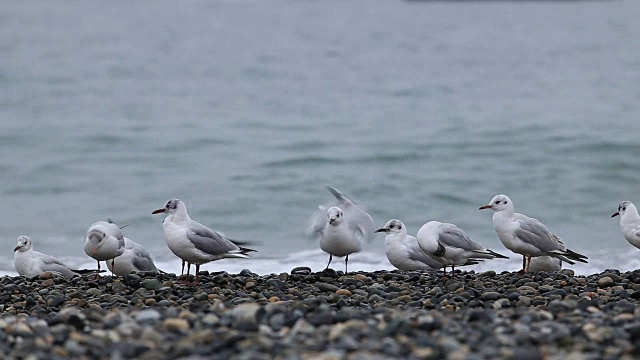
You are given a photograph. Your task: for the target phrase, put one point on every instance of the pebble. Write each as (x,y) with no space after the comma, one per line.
(306,315)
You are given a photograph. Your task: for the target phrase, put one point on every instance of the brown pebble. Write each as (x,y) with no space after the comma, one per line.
(175,324)
(46,275)
(47,283)
(150,302)
(361,277)
(274,299)
(213,296)
(343,292)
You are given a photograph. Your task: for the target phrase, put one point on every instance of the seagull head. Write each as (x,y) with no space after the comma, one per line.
(23,244)
(623,208)
(498,203)
(393,226)
(170,207)
(334,215)
(101,232)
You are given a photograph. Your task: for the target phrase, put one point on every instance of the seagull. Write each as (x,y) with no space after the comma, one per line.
(525,235)
(629,222)
(104,242)
(135,258)
(193,242)
(403,250)
(449,245)
(342,228)
(30,263)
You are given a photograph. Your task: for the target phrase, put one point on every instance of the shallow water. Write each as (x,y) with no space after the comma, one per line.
(246,110)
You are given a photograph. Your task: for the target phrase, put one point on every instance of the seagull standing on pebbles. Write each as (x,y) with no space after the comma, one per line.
(525,235)
(403,250)
(450,245)
(193,242)
(342,228)
(629,222)
(104,242)
(30,263)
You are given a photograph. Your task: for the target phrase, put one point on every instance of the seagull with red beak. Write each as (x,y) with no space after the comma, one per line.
(525,235)
(193,242)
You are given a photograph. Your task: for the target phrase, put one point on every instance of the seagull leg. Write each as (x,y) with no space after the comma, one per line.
(182,271)
(113,266)
(330,258)
(197,274)
(98,273)
(528,263)
(346,260)
(453,271)
(524,264)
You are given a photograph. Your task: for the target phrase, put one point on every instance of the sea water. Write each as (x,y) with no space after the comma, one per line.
(246,110)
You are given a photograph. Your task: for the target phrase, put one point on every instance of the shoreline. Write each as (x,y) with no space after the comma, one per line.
(304,314)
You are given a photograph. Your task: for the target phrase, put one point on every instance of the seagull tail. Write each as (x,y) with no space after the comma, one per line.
(488,254)
(569,256)
(245,250)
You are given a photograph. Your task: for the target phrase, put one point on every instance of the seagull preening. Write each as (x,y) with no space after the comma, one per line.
(629,222)
(525,235)
(104,242)
(451,246)
(135,258)
(342,228)
(403,251)
(30,263)
(193,242)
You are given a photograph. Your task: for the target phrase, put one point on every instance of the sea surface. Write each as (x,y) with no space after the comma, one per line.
(247,110)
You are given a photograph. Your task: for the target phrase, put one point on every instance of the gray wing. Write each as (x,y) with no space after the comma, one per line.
(209,241)
(533,232)
(453,236)
(142,259)
(49,263)
(417,254)
(360,222)
(342,198)
(317,223)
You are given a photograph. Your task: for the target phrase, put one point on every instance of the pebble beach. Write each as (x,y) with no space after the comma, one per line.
(323,315)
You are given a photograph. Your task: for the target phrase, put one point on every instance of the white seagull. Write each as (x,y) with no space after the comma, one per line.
(104,242)
(525,235)
(449,245)
(193,242)
(342,228)
(30,263)
(135,258)
(629,222)
(403,250)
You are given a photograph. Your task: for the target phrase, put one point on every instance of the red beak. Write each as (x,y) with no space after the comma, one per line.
(17,248)
(485,207)
(159,211)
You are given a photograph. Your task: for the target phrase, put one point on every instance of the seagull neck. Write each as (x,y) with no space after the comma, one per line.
(180,216)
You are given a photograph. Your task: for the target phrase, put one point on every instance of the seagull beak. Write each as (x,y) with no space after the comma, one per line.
(615,214)
(331,221)
(159,211)
(17,248)
(382,230)
(485,207)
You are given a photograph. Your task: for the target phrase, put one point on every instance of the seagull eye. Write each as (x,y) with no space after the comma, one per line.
(497,202)
(624,208)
